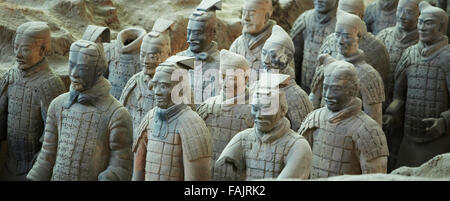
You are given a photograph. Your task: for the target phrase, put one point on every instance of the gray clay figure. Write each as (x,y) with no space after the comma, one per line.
(308,33)
(422,91)
(88,133)
(256,29)
(201,32)
(123,56)
(343,138)
(173,141)
(380,14)
(26,92)
(137,96)
(228,113)
(271,149)
(278,56)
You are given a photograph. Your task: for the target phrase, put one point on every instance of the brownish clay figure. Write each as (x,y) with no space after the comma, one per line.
(344,139)
(397,39)
(173,142)
(88,133)
(122,57)
(278,57)
(270,149)
(308,33)
(137,96)
(256,29)
(380,14)
(404,34)
(375,53)
(422,89)
(228,113)
(25,94)
(201,31)
(349,29)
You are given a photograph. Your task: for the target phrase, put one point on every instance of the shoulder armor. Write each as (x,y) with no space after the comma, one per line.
(299,24)
(51,87)
(206,107)
(195,136)
(403,63)
(328,43)
(148,118)
(317,78)
(372,88)
(131,84)
(370,139)
(313,120)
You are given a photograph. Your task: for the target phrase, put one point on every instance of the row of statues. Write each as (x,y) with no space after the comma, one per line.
(135,110)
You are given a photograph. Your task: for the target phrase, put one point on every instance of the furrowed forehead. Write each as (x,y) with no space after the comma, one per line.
(162,77)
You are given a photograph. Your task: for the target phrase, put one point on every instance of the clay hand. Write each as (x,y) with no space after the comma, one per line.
(387,121)
(437,127)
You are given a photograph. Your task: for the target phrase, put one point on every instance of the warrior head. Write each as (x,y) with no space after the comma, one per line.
(269,103)
(324,6)
(31,44)
(86,64)
(156,46)
(130,40)
(201,29)
(407,14)
(256,15)
(341,83)
(432,24)
(387,5)
(349,30)
(233,70)
(278,51)
(167,77)
(355,7)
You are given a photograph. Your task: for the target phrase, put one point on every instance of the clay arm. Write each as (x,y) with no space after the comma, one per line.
(440,126)
(374,111)
(120,140)
(140,150)
(298,161)
(3,106)
(43,167)
(51,89)
(371,147)
(377,165)
(197,170)
(232,159)
(317,87)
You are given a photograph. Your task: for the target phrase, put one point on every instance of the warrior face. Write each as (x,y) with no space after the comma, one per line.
(407,15)
(83,70)
(28,51)
(337,93)
(268,107)
(254,16)
(275,57)
(429,29)
(347,39)
(198,36)
(151,56)
(162,85)
(324,6)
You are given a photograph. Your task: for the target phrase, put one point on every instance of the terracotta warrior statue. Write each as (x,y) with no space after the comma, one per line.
(228,113)
(173,141)
(380,14)
(201,31)
(256,29)
(137,96)
(122,56)
(349,29)
(344,139)
(25,94)
(278,57)
(375,53)
(422,91)
(88,133)
(270,149)
(308,33)
(397,39)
